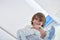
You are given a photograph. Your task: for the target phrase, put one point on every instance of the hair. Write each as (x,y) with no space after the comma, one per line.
(41,16)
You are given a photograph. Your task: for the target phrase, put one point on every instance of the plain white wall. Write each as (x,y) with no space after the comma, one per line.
(52,7)
(5,36)
(14,15)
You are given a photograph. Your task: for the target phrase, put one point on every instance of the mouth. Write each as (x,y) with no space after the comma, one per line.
(36,24)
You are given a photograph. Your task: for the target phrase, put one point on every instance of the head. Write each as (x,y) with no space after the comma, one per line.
(38,19)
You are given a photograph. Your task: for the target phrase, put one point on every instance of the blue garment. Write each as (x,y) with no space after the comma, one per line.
(31,34)
(51,33)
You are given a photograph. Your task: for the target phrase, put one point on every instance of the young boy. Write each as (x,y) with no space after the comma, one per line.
(35,31)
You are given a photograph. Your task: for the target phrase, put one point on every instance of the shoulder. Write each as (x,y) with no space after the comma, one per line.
(26,30)
(25,27)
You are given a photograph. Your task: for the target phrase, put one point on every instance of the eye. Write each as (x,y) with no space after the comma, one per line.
(36,18)
(40,20)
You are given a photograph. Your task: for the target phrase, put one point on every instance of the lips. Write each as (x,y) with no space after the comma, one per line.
(36,23)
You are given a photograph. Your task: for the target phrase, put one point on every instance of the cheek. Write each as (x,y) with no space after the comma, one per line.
(34,21)
(41,23)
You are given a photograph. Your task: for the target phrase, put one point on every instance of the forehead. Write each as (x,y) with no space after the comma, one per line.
(39,18)
(36,17)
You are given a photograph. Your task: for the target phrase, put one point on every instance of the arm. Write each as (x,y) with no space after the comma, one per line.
(50,34)
(43,32)
(20,35)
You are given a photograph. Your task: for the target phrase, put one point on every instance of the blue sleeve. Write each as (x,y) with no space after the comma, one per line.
(51,33)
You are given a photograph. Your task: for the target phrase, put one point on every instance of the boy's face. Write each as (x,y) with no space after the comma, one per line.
(37,21)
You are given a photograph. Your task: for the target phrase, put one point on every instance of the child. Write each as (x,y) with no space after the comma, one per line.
(35,31)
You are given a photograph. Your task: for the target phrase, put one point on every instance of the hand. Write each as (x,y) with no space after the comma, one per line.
(41,30)
(43,33)
(38,27)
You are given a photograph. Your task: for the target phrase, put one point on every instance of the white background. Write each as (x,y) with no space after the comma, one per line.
(15,15)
